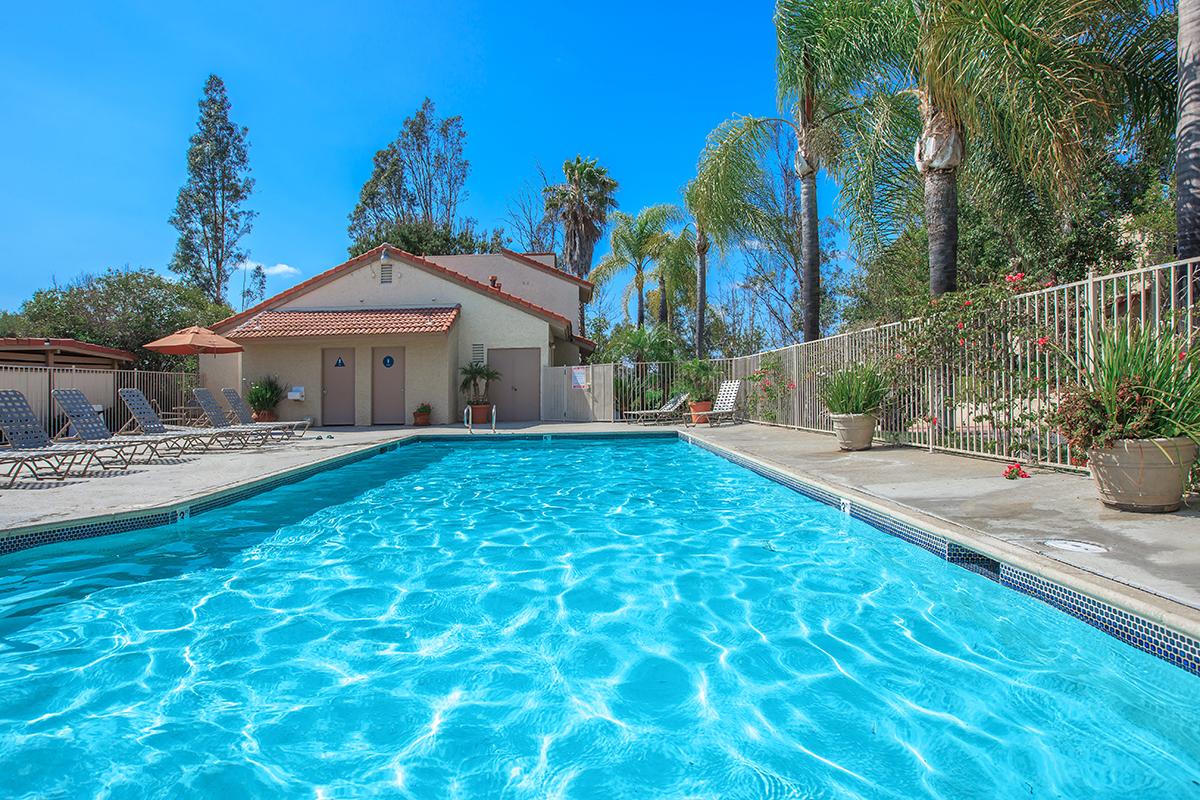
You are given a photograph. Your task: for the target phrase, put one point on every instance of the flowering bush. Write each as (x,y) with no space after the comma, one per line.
(767,388)
(1014,471)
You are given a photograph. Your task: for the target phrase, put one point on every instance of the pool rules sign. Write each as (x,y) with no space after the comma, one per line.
(579,378)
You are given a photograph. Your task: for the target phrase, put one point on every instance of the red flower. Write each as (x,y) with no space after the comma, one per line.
(1014,471)
(960,326)
(966,302)
(1041,342)
(791,385)
(962,341)
(1049,283)
(933,420)
(1182,355)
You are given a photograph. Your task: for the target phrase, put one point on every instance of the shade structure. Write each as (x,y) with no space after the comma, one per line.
(193,340)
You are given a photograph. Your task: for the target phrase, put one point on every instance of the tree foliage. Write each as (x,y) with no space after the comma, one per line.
(120,308)
(210,212)
(416,185)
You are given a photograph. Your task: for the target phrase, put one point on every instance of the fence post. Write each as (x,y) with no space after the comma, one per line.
(931,419)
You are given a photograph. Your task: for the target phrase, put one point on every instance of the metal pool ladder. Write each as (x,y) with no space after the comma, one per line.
(468,423)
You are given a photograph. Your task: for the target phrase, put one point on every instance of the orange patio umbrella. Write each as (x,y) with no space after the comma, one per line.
(193,340)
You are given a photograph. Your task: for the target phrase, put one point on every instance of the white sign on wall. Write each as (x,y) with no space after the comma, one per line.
(579,378)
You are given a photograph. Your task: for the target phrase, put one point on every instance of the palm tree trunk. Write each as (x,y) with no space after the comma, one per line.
(701,289)
(641,292)
(810,256)
(941,222)
(1187,140)
(662,302)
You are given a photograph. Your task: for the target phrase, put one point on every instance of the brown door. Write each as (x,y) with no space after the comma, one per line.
(517,395)
(337,386)
(387,386)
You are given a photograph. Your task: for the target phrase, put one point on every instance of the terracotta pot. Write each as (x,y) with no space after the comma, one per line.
(698,409)
(1146,475)
(854,431)
(265,416)
(420,418)
(481,413)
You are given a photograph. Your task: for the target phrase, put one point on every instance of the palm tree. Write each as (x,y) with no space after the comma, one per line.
(634,243)
(1187,133)
(1033,85)
(718,220)
(816,67)
(675,271)
(582,203)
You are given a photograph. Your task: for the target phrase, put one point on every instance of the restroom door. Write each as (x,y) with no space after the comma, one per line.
(337,386)
(517,395)
(387,386)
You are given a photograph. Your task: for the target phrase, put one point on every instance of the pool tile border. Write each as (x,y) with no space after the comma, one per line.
(1150,637)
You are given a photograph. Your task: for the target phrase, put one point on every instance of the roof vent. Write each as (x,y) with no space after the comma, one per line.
(385,273)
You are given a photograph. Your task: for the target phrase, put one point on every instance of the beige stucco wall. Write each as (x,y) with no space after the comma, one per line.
(557,294)
(297,362)
(219,371)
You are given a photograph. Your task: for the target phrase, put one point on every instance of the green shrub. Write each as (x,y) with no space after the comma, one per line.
(475,380)
(424,408)
(698,378)
(265,394)
(1135,384)
(860,389)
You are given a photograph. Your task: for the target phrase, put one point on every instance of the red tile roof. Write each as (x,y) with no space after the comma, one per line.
(71,345)
(366,322)
(227,324)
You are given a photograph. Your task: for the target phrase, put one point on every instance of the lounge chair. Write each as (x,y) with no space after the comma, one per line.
(218,418)
(85,425)
(144,421)
(669,411)
(31,450)
(724,407)
(244,415)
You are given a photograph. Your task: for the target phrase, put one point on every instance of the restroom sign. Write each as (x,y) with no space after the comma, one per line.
(339,362)
(388,361)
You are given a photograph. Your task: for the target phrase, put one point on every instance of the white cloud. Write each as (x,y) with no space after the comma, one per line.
(273,270)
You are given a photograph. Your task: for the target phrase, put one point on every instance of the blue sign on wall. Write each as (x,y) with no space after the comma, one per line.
(388,361)
(339,362)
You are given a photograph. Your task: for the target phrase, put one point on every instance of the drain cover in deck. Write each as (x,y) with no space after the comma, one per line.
(1075,546)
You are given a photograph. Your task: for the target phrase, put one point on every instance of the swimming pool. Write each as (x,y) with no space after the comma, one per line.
(569,618)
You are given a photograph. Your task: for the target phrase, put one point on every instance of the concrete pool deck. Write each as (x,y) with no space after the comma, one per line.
(1158,556)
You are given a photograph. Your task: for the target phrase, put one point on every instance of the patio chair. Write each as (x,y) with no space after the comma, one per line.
(31,450)
(243,414)
(144,421)
(724,407)
(85,425)
(670,411)
(218,418)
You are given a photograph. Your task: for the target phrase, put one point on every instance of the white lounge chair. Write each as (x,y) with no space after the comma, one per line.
(724,407)
(669,411)
(243,414)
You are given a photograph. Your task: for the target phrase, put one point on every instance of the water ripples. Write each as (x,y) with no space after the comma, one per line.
(533,620)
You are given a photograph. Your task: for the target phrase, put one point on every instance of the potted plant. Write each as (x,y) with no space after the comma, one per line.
(853,397)
(475,380)
(1136,414)
(697,377)
(264,396)
(421,415)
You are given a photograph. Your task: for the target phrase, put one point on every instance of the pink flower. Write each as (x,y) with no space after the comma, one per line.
(966,302)
(1182,355)
(960,326)
(791,385)
(962,341)
(1014,471)
(1049,283)
(1041,342)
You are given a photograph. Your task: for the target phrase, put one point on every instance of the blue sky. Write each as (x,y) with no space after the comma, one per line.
(100,100)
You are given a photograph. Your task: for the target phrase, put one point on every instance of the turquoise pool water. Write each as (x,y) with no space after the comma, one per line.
(574,619)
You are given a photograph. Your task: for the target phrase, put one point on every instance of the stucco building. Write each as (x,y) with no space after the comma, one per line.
(366,342)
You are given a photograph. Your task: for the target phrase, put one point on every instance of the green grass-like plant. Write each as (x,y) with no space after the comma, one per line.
(860,389)
(265,394)
(698,378)
(1135,383)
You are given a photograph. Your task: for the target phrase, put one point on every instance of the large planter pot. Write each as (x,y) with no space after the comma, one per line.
(699,411)
(265,416)
(420,419)
(854,431)
(481,413)
(1146,475)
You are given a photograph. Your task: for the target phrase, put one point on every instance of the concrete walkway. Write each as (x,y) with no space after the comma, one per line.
(1158,554)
